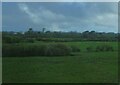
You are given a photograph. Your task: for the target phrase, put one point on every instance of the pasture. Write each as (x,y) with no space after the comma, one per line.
(82,67)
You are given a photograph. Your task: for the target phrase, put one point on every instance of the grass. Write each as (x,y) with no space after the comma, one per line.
(84,67)
(81,45)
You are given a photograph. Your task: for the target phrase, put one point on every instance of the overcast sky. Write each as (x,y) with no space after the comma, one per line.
(60,16)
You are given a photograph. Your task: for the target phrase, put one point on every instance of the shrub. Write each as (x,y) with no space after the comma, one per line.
(75,49)
(13,50)
(99,48)
(89,49)
(57,49)
(104,48)
(30,40)
(109,48)
(12,39)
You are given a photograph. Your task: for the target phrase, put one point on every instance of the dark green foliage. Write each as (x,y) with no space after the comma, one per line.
(12,39)
(12,50)
(55,39)
(57,49)
(89,49)
(104,48)
(100,48)
(75,49)
(59,36)
(30,40)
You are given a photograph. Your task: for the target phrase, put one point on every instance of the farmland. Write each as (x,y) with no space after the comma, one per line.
(60,42)
(81,67)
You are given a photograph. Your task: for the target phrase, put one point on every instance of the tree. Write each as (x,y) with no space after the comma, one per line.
(30,30)
(85,34)
(43,30)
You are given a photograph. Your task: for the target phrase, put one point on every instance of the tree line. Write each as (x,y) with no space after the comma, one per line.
(31,36)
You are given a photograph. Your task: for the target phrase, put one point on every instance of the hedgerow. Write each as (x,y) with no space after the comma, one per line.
(21,50)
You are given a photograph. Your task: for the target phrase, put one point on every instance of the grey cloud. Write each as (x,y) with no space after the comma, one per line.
(89,14)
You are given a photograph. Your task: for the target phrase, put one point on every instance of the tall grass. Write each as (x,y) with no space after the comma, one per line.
(12,50)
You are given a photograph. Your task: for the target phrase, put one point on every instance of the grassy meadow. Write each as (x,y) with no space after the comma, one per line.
(53,42)
(82,67)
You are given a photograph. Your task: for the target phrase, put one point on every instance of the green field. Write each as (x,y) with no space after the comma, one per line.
(83,67)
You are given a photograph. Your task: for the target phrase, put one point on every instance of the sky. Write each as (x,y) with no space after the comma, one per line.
(60,16)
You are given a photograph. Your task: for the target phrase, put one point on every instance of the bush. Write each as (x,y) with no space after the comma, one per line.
(14,50)
(89,49)
(99,48)
(109,48)
(11,50)
(75,49)
(104,48)
(12,39)
(57,49)
(30,40)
